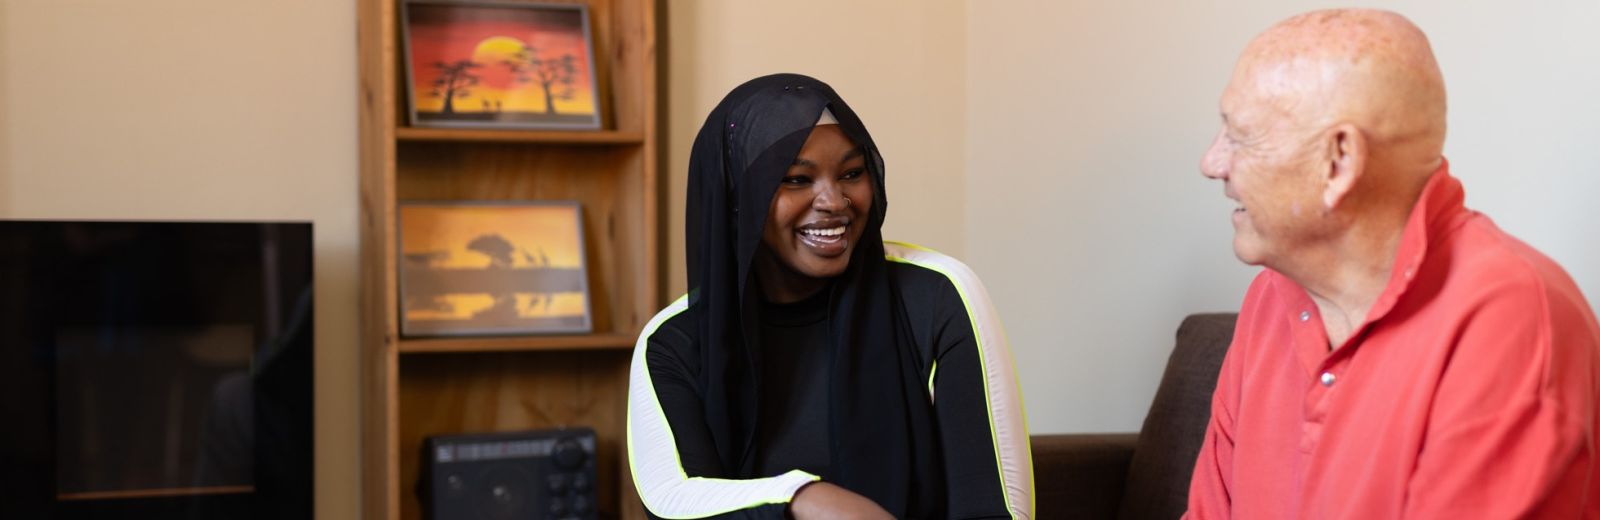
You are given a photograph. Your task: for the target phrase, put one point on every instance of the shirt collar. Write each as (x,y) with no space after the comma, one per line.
(1438,210)
(1434,215)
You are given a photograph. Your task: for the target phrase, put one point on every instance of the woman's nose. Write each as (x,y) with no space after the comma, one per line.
(829,197)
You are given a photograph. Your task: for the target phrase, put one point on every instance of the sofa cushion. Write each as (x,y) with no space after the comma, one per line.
(1158,476)
(1081,474)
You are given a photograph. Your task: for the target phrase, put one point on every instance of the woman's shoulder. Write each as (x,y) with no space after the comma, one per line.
(670,326)
(929,278)
(937,291)
(921,266)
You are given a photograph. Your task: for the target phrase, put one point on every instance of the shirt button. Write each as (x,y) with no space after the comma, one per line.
(1305,315)
(1328,378)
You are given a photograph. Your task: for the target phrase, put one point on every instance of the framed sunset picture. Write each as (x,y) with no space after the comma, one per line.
(499,65)
(492,268)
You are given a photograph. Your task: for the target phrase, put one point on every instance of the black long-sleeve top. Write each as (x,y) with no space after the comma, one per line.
(984,471)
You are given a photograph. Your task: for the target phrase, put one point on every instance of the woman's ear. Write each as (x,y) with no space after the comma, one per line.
(1347,162)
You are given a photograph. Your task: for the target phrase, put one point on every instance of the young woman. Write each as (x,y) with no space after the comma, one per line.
(813,369)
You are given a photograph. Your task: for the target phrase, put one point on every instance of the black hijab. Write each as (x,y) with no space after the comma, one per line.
(881,427)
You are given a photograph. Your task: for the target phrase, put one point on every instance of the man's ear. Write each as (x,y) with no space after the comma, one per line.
(1347,162)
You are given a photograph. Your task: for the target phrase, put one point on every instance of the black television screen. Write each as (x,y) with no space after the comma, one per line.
(155,369)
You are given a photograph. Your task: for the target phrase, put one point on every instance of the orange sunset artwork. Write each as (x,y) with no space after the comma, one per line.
(500,65)
(492,269)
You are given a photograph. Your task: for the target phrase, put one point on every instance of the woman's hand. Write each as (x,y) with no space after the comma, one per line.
(819,500)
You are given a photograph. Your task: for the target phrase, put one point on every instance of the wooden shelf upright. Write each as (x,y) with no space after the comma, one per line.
(416,387)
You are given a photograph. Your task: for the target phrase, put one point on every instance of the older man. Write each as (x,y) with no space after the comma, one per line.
(1399,356)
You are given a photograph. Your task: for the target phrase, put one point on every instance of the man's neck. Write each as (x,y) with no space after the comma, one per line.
(1346,277)
(1347,272)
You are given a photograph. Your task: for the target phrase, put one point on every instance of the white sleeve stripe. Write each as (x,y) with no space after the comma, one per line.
(1007,423)
(663,485)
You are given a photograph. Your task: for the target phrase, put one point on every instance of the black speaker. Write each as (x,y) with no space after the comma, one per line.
(541,474)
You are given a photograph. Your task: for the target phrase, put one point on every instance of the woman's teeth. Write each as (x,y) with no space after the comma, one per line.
(824,232)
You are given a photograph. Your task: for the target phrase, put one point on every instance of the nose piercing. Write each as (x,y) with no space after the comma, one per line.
(847,202)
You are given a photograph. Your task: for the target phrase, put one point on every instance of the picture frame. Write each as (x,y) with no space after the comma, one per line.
(492,268)
(497,64)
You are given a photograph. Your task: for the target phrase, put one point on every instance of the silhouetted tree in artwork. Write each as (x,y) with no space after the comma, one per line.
(454,80)
(497,248)
(549,73)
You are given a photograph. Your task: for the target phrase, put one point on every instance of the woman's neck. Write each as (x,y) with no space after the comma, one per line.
(780,284)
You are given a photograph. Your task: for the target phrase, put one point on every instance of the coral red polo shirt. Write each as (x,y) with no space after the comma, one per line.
(1469,391)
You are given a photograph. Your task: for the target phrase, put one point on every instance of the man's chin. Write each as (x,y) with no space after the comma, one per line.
(1246,253)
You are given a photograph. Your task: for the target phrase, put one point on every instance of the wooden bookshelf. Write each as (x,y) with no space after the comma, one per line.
(520,344)
(417,387)
(604,137)
(154,493)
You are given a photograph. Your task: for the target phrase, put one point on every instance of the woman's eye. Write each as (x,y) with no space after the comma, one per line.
(796,180)
(856,173)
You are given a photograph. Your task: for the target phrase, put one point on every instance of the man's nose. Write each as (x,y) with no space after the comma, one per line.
(1214,164)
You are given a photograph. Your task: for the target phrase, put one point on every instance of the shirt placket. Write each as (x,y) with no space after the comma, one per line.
(1322,376)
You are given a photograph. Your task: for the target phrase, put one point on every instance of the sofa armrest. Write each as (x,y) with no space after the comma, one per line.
(1080,475)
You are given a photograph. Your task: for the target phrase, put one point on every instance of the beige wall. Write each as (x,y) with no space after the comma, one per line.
(1094,231)
(221,110)
(1052,144)
(194,109)
(900,64)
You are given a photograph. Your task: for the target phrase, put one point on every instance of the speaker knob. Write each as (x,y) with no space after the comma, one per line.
(568,454)
(580,483)
(558,484)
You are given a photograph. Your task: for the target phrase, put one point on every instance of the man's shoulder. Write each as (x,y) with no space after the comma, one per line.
(1513,312)
(1487,264)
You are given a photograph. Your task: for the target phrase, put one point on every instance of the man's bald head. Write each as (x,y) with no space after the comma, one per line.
(1331,126)
(1373,69)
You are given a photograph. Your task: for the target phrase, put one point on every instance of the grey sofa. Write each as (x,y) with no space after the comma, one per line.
(1144,475)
